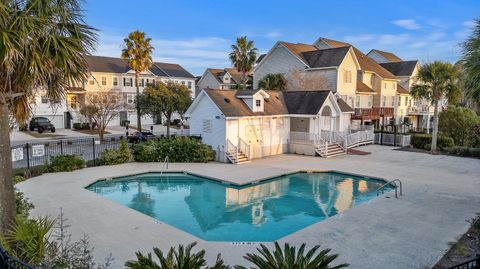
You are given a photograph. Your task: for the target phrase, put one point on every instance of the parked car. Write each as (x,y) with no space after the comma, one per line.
(41,124)
(137,136)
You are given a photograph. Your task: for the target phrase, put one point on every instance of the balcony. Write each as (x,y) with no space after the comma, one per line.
(420,110)
(373,113)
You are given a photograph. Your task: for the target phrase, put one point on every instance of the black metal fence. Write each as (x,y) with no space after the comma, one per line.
(28,155)
(9,262)
(470,264)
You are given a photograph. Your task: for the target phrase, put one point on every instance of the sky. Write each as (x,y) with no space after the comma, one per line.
(198,34)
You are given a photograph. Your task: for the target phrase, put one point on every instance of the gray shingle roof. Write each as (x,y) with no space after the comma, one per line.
(325,57)
(117,65)
(304,102)
(404,68)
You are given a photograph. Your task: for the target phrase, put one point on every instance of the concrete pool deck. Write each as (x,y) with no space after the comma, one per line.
(441,193)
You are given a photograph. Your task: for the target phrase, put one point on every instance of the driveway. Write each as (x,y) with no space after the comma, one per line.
(441,193)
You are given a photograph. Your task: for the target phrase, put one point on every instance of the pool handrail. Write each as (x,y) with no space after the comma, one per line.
(392,182)
(165,163)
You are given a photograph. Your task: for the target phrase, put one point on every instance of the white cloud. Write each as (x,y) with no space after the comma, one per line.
(389,39)
(469,23)
(409,24)
(273,34)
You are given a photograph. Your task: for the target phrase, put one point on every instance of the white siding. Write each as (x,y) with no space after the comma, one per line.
(206,111)
(280,61)
(208,80)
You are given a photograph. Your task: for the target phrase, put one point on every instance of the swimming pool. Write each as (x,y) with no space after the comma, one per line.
(216,211)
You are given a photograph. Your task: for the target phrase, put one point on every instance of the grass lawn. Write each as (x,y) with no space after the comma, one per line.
(45,134)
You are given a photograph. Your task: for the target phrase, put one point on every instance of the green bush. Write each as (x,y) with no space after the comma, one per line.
(23,206)
(460,124)
(77,126)
(28,173)
(465,151)
(65,163)
(178,149)
(17,179)
(117,156)
(424,141)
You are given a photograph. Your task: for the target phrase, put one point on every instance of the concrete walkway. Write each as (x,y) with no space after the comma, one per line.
(441,194)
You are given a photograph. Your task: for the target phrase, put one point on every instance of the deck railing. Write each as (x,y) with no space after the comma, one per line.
(470,264)
(244,147)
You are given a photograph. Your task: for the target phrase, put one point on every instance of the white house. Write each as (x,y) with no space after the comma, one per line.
(246,124)
(111,74)
(219,79)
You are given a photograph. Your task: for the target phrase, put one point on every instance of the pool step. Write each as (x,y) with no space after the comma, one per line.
(332,150)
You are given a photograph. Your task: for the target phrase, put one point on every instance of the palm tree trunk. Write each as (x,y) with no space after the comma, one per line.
(435,127)
(139,117)
(7,195)
(244,81)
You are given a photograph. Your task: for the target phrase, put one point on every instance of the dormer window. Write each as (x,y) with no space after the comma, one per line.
(258,103)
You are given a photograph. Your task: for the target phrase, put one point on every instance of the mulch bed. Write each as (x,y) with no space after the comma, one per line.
(466,248)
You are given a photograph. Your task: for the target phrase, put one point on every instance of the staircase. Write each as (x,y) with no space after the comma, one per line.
(237,154)
(329,150)
(242,158)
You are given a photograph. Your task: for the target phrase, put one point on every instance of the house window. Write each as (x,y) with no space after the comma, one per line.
(357,101)
(115,81)
(370,99)
(91,81)
(385,85)
(207,126)
(347,76)
(406,101)
(104,81)
(45,99)
(153,81)
(189,84)
(183,82)
(394,86)
(393,100)
(258,103)
(399,100)
(130,99)
(127,82)
(384,100)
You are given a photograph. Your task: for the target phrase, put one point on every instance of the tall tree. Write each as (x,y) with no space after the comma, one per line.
(273,82)
(104,106)
(471,62)
(138,52)
(436,81)
(43,47)
(243,57)
(167,99)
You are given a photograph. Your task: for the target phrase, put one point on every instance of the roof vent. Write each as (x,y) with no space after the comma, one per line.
(227,100)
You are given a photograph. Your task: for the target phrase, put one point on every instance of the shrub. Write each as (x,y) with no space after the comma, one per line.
(178,149)
(28,173)
(423,141)
(17,179)
(464,151)
(459,123)
(65,163)
(117,156)
(77,126)
(23,206)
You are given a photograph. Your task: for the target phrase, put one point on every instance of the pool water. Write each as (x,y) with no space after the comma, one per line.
(215,211)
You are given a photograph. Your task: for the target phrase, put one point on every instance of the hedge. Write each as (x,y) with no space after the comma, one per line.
(65,163)
(464,151)
(424,141)
(178,149)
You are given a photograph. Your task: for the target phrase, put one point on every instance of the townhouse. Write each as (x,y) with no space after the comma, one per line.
(111,74)
(225,79)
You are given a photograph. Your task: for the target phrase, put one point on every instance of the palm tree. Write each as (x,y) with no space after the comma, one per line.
(181,259)
(273,82)
(290,258)
(436,81)
(138,52)
(471,62)
(43,47)
(243,57)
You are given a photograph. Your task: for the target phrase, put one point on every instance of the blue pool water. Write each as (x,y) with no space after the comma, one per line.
(215,211)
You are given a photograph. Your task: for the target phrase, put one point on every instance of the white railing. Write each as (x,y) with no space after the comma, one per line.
(359,138)
(399,140)
(334,137)
(232,151)
(244,147)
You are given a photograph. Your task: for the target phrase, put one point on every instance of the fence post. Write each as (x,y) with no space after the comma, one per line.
(28,156)
(93,150)
(61,147)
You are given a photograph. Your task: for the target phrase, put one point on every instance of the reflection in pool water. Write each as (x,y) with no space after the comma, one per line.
(218,212)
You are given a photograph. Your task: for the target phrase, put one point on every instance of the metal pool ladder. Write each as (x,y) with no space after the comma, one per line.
(394,183)
(164,165)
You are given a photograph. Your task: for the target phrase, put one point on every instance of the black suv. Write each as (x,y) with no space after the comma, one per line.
(41,124)
(137,136)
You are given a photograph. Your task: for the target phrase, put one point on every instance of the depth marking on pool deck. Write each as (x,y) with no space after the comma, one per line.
(243,243)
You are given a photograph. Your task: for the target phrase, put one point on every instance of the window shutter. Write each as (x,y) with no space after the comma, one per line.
(124,82)
(131,81)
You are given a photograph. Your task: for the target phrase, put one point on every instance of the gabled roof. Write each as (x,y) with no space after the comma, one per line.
(404,68)
(231,106)
(246,93)
(367,64)
(344,107)
(325,57)
(218,73)
(305,102)
(237,76)
(402,90)
(334,43)
(387,55)
(298,48)
(363,88)
(118,65)
(260,58)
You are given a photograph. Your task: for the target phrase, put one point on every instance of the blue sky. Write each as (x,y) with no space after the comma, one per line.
(198,34)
